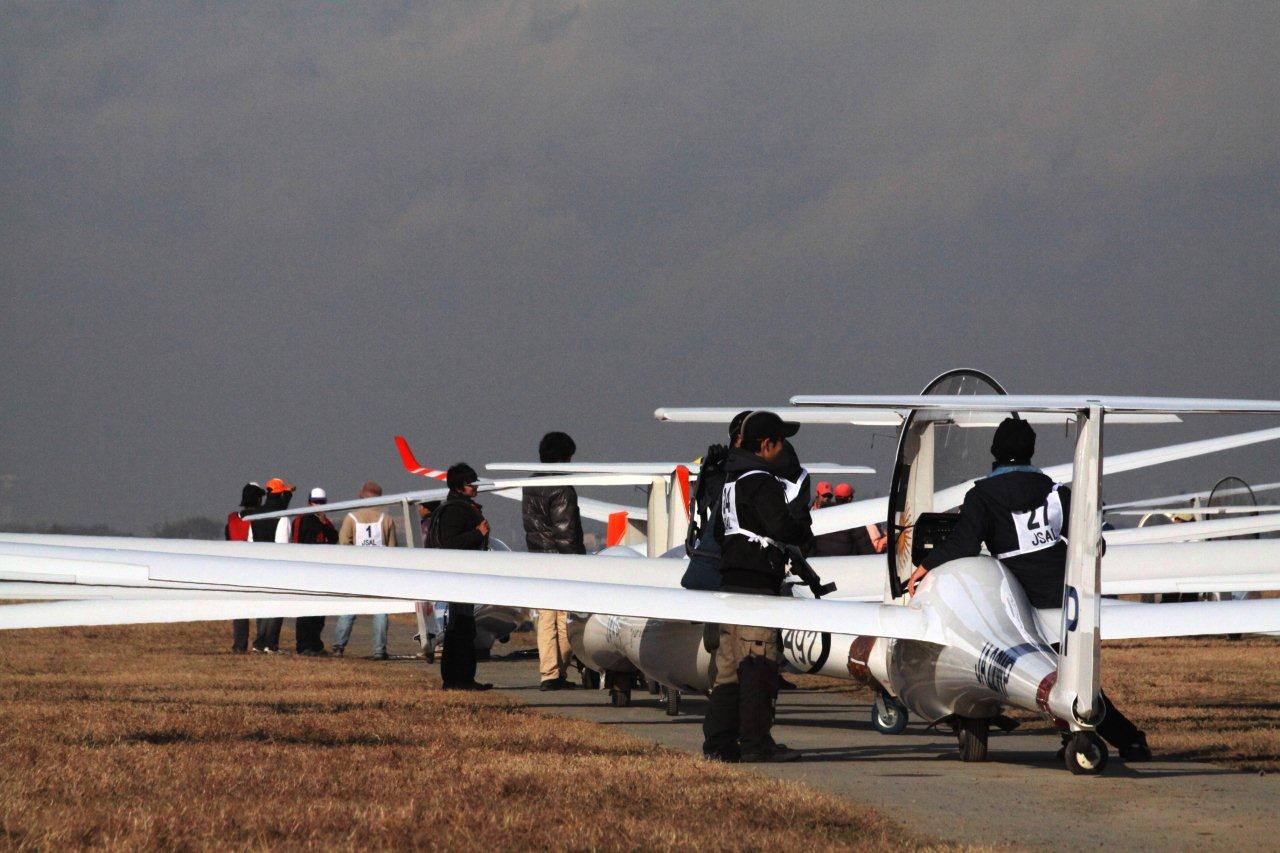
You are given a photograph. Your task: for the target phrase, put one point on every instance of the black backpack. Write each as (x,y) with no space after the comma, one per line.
(704,508)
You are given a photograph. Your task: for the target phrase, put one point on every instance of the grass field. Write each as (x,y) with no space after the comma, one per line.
(154,736)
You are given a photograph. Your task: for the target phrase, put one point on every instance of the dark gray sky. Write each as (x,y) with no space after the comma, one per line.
(238,242)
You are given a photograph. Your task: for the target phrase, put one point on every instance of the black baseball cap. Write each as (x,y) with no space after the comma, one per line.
(758,425)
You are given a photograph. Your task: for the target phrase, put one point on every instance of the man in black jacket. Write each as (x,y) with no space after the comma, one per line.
(552,525)
(314,529)
(237,530)
(279,493)
(459,524)
(1021,515)
(762,509)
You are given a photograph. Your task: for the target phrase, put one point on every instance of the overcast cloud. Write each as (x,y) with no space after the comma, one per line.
(238,241)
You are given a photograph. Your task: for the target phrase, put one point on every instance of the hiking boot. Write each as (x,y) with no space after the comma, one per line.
(778,755)
(473,686)
(380,656)
(337,651)
(724,757)
(565,684)
(1136,751)
(549,684)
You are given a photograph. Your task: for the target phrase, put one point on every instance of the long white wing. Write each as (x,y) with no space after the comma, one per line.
(1193,531)
(1128,621)
(1042,403)
(439,582)
(21,559)
(651,469)
(874,417)
(1195,510)
(58,614)
(1189,496)
(875,510)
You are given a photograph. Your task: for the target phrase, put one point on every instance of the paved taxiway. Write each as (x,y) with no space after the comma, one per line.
(1021,796)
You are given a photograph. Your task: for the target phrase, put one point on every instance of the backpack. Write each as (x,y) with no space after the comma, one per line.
(431,530)
(704,508)
(704,503)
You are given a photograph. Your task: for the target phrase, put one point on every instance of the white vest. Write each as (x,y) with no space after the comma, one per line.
(729,506)
(368,532)
(1037,528)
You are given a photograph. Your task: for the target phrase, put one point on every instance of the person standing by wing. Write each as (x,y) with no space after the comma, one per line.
(553,525)
(238,530)
(459,524)
(367,527)
(1020,513)
(314,529)
(267,638)
(756,521)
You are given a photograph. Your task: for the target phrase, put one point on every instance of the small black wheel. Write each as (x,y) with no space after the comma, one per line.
(972,732)
(590,679)
(620,697)
(1086,754)
(672,699)
(888,715)
(653,686)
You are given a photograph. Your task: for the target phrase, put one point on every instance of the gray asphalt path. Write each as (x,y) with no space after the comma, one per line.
(1022,796)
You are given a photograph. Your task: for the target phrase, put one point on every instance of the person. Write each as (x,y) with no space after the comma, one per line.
(459,524)
(429,615)
(704,510)
(267,638)
(824,495)
(313,529)
(758,517)
(843,494)
(1001,510)
(237,530)
(552,525)
(367,527)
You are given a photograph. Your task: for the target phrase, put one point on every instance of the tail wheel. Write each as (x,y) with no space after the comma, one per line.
(1086,754)
(972,732)
(654,687)
(590,679)
(888,715)
(620,697)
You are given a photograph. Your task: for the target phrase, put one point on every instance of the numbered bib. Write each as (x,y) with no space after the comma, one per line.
(368,533)
(1038,528)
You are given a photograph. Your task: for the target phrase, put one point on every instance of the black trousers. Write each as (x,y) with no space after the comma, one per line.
(306,630)
(458,660)
(268,636)
(239,635)
(1116,729)
(740,716)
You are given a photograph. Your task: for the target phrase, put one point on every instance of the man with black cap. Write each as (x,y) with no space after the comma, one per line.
(704,509)
(237,530)
(763,508)
(1021,514)
(460,524)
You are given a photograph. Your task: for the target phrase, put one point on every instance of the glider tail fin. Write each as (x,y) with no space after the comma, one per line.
(411,463)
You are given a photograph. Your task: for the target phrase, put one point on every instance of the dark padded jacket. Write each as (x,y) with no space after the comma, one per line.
(264,529)
(762,508)
(987,517)
(552,523)
(457,519)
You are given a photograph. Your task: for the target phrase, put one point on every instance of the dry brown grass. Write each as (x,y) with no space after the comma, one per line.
(147,737)
(1207,699)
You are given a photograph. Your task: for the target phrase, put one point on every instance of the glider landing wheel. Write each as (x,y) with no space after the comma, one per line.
(671,698)
(590,679)
(653,686)
(971,732)
(620,697)
(1086,754)
(888,715)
